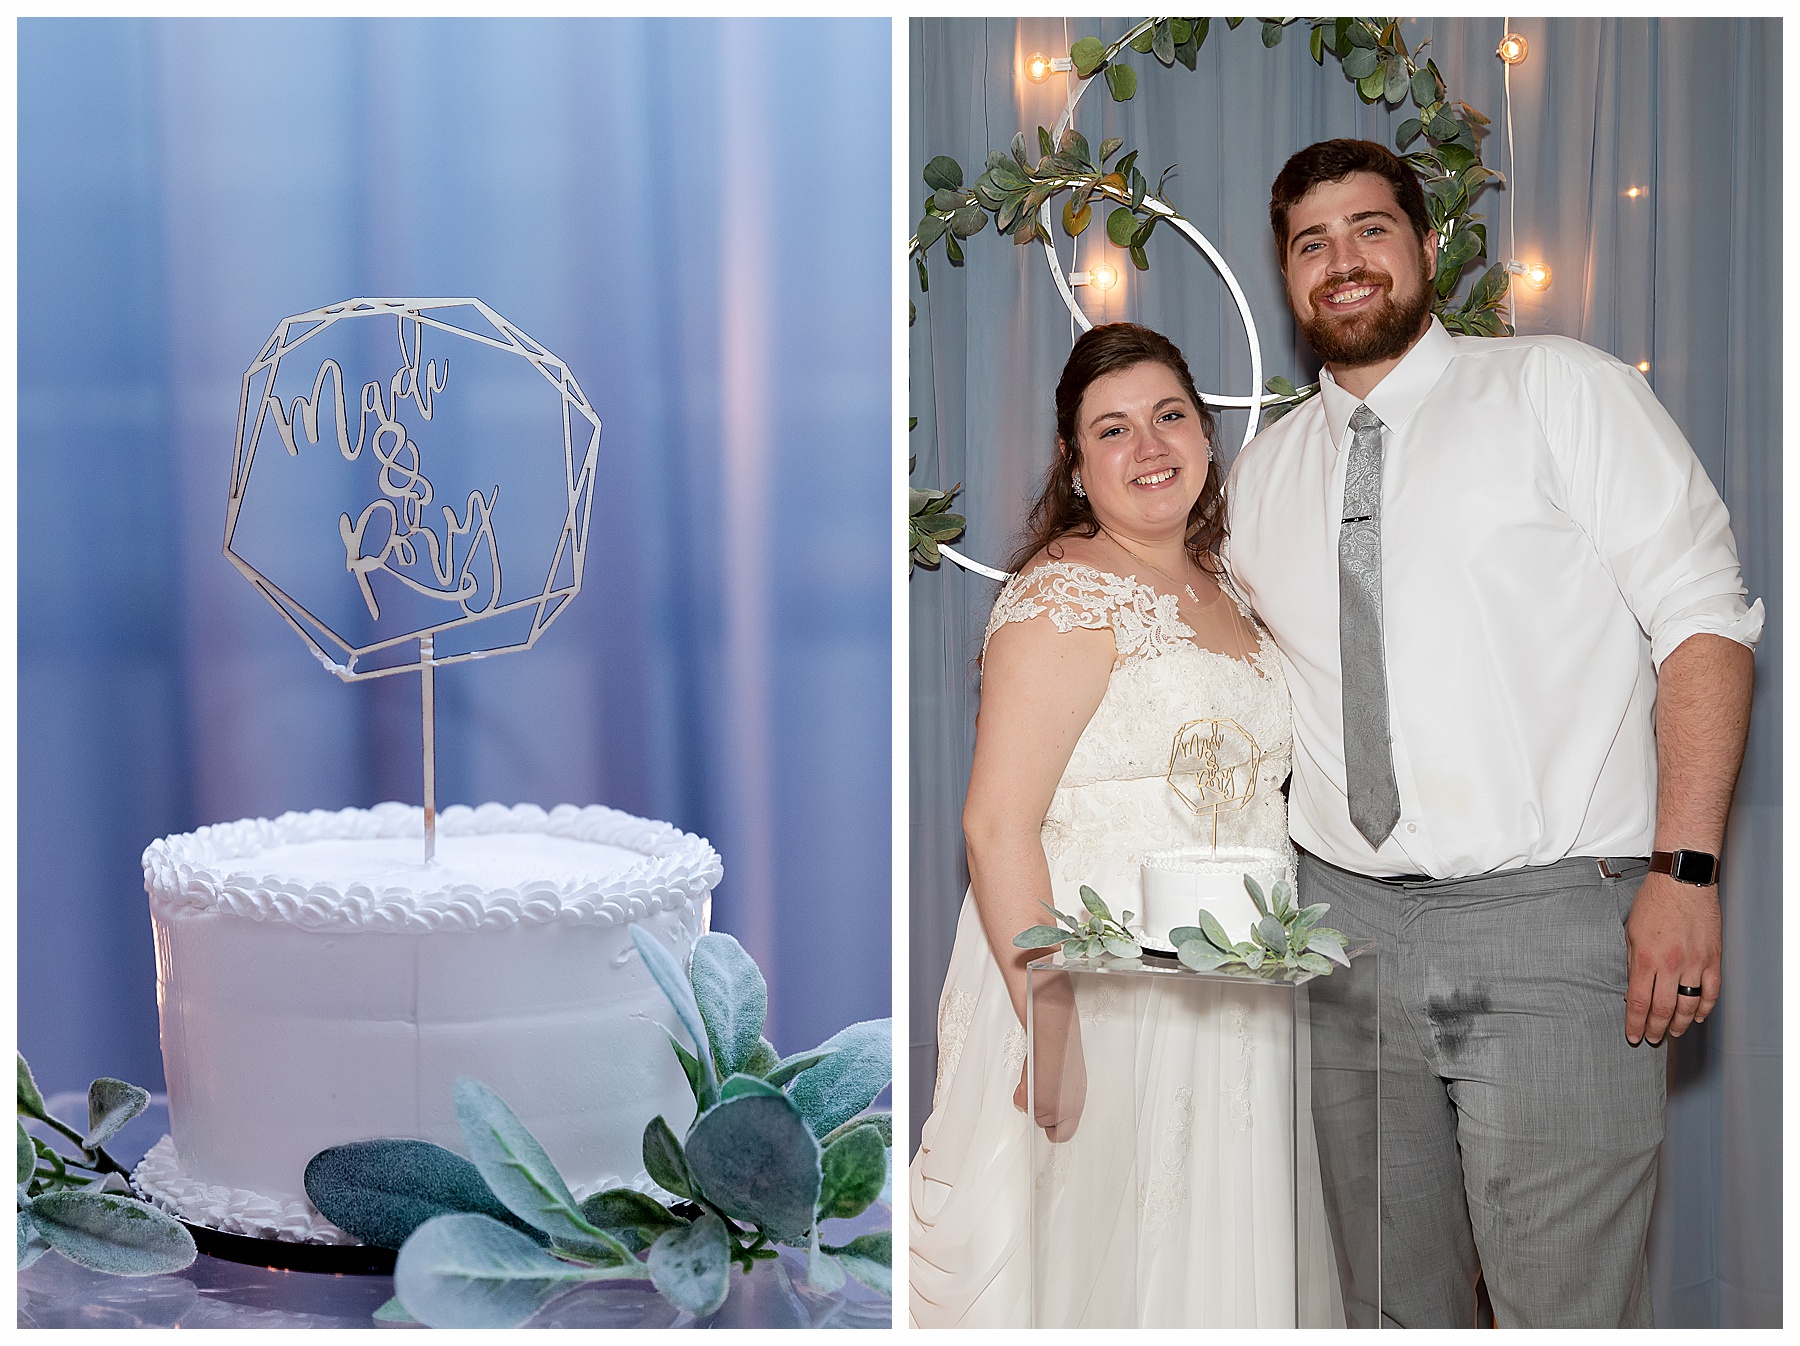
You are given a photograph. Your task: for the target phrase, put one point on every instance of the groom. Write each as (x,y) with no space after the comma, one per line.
(1509,609)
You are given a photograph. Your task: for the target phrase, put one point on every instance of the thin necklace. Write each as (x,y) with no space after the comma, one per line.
(1141,560)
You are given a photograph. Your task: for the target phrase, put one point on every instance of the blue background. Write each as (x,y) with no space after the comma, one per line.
(695,216)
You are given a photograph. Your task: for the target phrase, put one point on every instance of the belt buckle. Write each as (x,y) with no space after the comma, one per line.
(1606,871)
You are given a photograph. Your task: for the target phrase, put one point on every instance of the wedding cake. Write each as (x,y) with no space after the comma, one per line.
(317,983)
(1178,883)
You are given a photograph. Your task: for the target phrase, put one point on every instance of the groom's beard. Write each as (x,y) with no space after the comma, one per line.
(1383,332)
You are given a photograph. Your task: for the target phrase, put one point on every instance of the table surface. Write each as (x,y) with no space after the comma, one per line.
(55,1292)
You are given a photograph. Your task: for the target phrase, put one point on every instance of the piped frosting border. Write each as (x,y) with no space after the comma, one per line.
(160,1179)
(214,869)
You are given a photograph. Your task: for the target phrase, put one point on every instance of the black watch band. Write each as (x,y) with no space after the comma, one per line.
(1696,867)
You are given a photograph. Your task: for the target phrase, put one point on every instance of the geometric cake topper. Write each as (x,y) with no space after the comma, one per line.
(374,439)
(366,504)
(1212,767)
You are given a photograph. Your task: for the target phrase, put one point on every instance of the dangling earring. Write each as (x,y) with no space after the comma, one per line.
(1076,480)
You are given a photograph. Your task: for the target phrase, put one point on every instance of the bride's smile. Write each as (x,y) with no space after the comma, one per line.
(1143,451)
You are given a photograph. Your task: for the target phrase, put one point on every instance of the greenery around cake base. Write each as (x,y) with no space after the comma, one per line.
(777,1148)
(80,1203)
(1286,938)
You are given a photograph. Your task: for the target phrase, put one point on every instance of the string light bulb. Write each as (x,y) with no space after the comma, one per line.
(1635,192)
(1513,48)
(1039,67)
(1102,277)
(1537,276)
(1643,366)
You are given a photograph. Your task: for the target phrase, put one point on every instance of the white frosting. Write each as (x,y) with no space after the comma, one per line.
(159,1177)
(1178,883)
(317,985)
(634,867)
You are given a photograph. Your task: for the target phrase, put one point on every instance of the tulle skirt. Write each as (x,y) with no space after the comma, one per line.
(1174,1202)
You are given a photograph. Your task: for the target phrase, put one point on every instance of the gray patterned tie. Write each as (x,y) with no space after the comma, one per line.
(1368,751)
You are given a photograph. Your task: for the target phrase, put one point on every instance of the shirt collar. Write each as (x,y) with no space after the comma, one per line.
(1399,393)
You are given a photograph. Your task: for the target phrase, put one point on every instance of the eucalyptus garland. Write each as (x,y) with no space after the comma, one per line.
(1016,182)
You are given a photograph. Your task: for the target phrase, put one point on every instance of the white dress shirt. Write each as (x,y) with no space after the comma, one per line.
(1547,538)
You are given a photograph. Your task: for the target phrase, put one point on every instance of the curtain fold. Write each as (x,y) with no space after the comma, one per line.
(614,189)
(1683,276)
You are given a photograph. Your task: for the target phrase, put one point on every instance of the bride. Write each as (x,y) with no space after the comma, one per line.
(1115,632)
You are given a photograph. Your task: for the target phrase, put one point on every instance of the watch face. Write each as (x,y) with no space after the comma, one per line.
(1693,867)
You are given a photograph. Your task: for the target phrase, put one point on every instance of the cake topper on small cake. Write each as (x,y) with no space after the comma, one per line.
(373,521)
(1212,767)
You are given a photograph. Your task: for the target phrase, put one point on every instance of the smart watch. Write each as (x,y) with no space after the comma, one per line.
(1696,867)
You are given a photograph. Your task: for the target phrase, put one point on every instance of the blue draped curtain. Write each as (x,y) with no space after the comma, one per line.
(694,215)
(1683,276)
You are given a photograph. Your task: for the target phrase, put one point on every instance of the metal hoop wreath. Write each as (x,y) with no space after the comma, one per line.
(1254,402)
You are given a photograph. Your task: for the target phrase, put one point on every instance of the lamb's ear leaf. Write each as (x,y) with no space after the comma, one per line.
(1254,888)
(393,1312)
(1040,937)
(854,1167)
(860,1066)
(691,1266)
(382,1190)
(673,982)
(637,1219)
(520,1174)
(31,1245)
(1200,955)
(114,1234)
(754,1159)
(1092,901)
(111,1103)
(465,1270)
(869,1258)
(785,1071)
(732,998)
(664,1160)
(690,1066)
(31,1101)
(1214,931)
(763,1060)
(883,1122)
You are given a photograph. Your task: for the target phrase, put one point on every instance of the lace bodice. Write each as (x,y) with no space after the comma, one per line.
(1115,799)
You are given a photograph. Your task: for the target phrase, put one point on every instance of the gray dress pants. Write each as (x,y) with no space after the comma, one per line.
(1519,1129)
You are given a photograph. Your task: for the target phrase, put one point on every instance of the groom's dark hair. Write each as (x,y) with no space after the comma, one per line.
(1333,161)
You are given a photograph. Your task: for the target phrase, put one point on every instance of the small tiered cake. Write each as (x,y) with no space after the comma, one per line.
(1178,883)
(318,984)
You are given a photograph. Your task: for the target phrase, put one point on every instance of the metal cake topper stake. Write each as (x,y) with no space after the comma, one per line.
(1212,767)
(414,591)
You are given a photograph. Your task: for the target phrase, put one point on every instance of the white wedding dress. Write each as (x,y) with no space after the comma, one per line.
(1170,1206)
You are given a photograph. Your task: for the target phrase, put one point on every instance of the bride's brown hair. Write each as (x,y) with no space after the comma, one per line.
(1058,511)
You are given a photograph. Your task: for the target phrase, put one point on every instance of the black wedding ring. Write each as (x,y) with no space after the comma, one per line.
(1687,990)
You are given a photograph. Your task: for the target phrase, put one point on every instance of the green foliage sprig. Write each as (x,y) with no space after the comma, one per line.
(80,1204)
(1373,56)
(777,1147)
(1094,934)
(1014,186)
(930,523)
(1284,939)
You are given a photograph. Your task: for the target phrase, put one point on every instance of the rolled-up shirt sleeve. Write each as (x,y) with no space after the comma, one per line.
(1636,488)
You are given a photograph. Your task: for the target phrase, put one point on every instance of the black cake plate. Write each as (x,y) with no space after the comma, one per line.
(330,1259)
